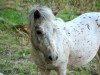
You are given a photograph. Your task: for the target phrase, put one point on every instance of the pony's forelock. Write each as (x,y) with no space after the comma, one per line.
(45,12)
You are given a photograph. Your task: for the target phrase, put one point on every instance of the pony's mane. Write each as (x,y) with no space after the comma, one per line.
(45,12)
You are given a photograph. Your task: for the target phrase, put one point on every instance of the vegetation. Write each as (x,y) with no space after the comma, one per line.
(15,45)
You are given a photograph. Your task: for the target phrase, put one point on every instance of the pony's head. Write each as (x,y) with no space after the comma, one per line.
(46,32)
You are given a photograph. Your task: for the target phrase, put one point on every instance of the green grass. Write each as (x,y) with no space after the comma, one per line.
(68,15)
(13,17)
(14,56)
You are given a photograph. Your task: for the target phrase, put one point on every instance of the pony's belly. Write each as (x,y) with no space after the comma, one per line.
(83,52)
(81,58)
(84,47)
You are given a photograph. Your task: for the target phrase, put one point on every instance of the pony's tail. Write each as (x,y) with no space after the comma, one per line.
(98,61)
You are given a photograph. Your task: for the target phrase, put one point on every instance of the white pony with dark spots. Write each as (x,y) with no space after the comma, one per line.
(57,43)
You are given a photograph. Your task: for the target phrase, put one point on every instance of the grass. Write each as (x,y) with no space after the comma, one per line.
(67,16)
(14,56)
(13,17)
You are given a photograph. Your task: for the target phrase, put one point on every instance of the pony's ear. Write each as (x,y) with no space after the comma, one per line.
(56,10)
(37,14)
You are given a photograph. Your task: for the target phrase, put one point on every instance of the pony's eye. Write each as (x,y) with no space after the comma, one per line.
(39,32)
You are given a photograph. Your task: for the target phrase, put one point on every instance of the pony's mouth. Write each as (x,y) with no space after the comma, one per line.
(49,61)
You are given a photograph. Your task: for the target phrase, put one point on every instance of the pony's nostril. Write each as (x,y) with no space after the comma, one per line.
(50,58)
(56,57)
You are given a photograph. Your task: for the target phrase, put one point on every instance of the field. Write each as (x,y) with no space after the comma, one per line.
(15,44)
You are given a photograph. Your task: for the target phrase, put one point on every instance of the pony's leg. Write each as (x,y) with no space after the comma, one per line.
(62,70)
(44,72)
(98,61)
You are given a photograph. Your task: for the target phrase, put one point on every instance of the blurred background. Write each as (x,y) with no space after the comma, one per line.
(15,43)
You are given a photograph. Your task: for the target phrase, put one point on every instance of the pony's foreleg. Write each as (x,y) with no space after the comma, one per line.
(98,61)
(62,70)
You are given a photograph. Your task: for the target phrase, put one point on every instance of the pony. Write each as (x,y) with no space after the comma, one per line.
(56,44)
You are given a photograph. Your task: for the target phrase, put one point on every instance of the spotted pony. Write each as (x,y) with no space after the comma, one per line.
(56,44)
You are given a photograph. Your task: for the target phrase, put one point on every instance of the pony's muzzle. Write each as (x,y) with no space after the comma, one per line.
(52,58)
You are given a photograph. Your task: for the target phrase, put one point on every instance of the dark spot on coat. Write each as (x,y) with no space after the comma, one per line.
(89,17)
(87,41)
(68,33)
(97,23)
(78,26)
(80,57)
(54,30)
(64,28)
(80,22)
(66,42)
(88,26)
(96,20)
(57,28)
(84,17)
(78,33)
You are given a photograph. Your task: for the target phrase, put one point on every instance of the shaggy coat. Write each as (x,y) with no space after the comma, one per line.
(57,43)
